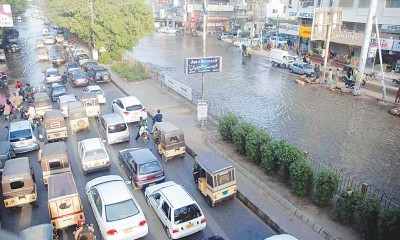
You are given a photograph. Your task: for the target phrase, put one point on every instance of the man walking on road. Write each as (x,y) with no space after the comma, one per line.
(157,118)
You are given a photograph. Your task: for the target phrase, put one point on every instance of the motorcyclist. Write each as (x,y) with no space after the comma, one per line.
(244,48)
(84,231)
(19,85)
(28,91)
(142,129)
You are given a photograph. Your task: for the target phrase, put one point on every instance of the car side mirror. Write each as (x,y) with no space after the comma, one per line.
(128,182)
(88,192)
(6,127)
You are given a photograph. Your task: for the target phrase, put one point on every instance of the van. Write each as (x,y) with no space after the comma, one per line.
(280,58)
(113,128)
(22,137)
(177,210)
(64,203)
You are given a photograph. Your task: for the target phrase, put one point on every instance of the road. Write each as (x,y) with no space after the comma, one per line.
(230,219)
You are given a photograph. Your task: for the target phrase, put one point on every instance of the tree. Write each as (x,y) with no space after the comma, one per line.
(118,25)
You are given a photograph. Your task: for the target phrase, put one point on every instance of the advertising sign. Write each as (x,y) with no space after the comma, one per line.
(178,87)
(6,19)
(305,32)
(308,15)
(289,29)
(396,45)
(323,17)
(349,38)
(386,44)
(202,110)
(203,65)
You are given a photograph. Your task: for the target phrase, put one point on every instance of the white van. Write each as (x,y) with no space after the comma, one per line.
(177,210)
(22,137)
(280,58)
(113,128)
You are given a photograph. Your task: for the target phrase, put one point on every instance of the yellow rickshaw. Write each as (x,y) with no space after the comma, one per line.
(91,103)
(215,178)
(169,140)
(42,103)
(77,116)
(54,160)
(54,124)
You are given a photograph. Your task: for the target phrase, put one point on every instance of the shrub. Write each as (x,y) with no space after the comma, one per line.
(389,224)
(131,73)
(326,185)
(268,156)
(225,125)
(239,133)
(254,140)
(287,154)
(105,58)
(368,210)
(301,176)
(345,206)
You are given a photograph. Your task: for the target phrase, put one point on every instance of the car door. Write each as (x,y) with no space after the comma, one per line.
(102,127)
(118,107)
(165,214)
(97,206)
(155,201)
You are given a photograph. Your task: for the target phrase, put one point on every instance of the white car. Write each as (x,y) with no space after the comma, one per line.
(130,108)
(50,40)
(116,210)
(97,89)
(63,103)
(43,54)
(39,43)
(282,237)
(167,30)
(178,211)
(52,75)
(93,155)
(161,30)
(278,40)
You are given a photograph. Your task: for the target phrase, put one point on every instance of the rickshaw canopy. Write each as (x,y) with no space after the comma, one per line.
(52,150)
(17,169)
(212,163)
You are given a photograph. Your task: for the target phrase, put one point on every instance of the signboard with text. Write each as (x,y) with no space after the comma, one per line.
(396,45)
(305,32)
(202,110)
(203,65)
(6,19)
(289,29)
(386,44)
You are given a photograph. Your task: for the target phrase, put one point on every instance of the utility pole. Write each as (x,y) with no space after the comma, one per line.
(380,59)
(364,49)
(203,96)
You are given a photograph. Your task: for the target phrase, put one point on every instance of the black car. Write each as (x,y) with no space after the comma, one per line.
(78,78)
(97,74)
(12,48)
(10,35)
(71,66)
(87,65)
(56,90)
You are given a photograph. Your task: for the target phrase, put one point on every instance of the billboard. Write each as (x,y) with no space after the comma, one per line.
(289,29)
(324,17)
(203,65)
(6,19)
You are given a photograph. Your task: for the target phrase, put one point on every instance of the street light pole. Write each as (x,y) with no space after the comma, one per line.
(203,96)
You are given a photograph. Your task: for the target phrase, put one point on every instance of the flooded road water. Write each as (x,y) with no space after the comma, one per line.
(356,135)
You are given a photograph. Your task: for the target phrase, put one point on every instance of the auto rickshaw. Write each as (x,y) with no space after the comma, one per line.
(215,178)
(18,183)
(54,160)
(64,202)
(42,103)
(91,103)
(169,140)
(54,124)
(6,153)
(77,116)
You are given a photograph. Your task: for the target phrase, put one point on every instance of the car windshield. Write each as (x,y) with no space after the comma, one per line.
(58,57)
(307,66)
(117,128)
(150,167)
(80,75)
(134,107)
(59,89)
(102,72)
(52,72)
(97,91)
(83,56)
(121,210)
(187,213)
(20,135)
(95,154)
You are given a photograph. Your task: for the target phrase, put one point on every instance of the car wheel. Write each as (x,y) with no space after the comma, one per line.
(168,233)
(273,63)
(363,82)
(284,65)
(290,70)
(209,202)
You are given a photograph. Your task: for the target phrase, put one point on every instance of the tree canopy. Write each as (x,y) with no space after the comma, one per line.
(17,6)
(118,24)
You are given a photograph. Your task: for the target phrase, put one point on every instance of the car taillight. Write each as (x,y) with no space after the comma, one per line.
(143,110)
(142,223)
(175,230)
(126,113)
(139,180)
(203,220)
(112,232)
(66,92)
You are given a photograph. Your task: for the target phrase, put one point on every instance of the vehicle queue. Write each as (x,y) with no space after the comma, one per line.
(116,210)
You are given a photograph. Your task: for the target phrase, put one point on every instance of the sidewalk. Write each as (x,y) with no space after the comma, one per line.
(263,200)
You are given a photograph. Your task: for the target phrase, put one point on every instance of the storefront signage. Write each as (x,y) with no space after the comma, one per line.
(305,32)
(309,15)
(386,44)
(6,19)
(203,65)
(289,29)
(396,45)
(349,38)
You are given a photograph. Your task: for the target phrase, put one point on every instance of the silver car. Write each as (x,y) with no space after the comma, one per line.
(302,68)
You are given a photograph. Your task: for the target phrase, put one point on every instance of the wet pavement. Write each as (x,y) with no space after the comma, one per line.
(353,134)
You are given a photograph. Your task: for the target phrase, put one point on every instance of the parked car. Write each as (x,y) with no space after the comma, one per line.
(225,35)
(12,48)
(58,59)
(178,211)
(22,137)
(50,40)
(39,43)
(278,40)
(71,66)
(130,108)
(63,103)
(82,58)
(93,155)
(56,90)
(97,89)
(98,74)
(142,167)
(116,210)
(78,78)
(87,65)
(301,68)
(52,75)
(43,54)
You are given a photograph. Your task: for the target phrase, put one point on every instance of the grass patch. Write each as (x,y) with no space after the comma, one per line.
(132,73)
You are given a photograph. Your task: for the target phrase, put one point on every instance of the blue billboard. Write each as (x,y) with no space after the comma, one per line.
(203,65)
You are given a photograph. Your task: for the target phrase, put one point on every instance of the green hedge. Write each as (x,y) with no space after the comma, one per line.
(269,158)
(132,73)
(254,140)
(389,224)
(287,154)
(239,133)
(345,206)
(368,210)
(326,185)
(225,124)
(301,176)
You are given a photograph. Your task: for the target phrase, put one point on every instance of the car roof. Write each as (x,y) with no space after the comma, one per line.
(57,85)
(113,118)
(212,162)
(16,166)
(113,192)
(60,185)
(130,100)
(73,63)
(54,113)
(177,196)
(20,125)
(143,155)
(92,143)
(53,149)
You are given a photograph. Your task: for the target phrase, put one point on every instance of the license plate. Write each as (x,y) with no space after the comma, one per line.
(152,184)
(119,139)
(225,192)
(189,225)
(128,230)
(22,143)
(56,134)
(96,164)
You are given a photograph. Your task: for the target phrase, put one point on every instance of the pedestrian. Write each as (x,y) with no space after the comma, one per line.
(330,76)
(316,71)
(6,112)
(157,118)
(17,100)
(336,79)
(397,99)
(31,113)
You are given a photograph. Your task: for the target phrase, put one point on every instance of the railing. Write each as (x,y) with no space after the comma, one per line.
(347,180)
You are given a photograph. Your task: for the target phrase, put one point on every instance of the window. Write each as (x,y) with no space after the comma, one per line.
(55,163)
(120,127)
(121,210)
(149,168)
(97,201)
(157,197)
(330,3)
(187,213)
(364,3)
(306,3)
(95,154)
(17,184)
(225,178)
(319,3)
(134,107)
(166,210)
(392,4)
(346,3)
(20,135)
(209,180)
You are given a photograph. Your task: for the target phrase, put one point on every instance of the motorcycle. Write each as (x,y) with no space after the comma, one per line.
(144,134)
(84,231)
